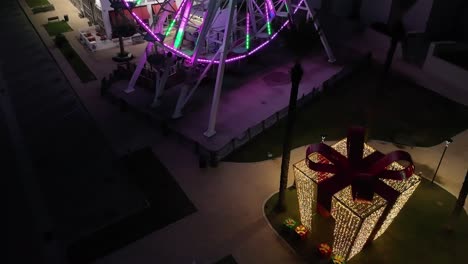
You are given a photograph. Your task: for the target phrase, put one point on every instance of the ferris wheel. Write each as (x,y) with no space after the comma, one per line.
(199,30)
(210,32)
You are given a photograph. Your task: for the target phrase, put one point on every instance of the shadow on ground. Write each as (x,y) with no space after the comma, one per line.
(167,203)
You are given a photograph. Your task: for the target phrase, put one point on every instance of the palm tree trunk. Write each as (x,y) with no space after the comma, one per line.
(326,6)
(356,9)
(296,76)
(390,55)
(461,197)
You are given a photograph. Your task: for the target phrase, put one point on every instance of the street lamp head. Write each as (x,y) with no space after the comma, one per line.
(323,136)
(448,141)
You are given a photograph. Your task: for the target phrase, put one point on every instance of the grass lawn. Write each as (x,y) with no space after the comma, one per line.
(416,235)
(167,204)
(55,28)
(35,3)
(80,68)
(397,111)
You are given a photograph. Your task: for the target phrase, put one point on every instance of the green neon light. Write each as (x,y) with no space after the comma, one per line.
(178,40)
(269,28)
(170,27)
(247,41)
(137,2)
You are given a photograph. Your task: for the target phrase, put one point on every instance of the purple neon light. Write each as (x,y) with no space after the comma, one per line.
(271,8)
(183,23)
(180,53)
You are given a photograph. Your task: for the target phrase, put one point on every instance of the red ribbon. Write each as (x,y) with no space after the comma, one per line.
(361,173)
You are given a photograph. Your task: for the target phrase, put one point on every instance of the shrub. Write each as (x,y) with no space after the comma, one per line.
(43,8)
(60,40)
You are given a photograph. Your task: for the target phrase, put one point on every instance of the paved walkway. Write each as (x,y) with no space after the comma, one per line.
(229,198)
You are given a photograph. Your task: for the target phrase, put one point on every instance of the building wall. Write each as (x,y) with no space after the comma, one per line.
(448,20)
(105,7)
(416,18)
(342,8)
(375,11)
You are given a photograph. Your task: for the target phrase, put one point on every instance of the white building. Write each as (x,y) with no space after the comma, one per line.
(100,13)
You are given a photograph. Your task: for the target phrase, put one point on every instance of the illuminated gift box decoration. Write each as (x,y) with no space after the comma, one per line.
(301,231)
(362,188)
(324,250)
(289,223)
(337,259)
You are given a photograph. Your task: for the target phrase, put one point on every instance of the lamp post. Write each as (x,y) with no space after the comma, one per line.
(323,136)
(447,143)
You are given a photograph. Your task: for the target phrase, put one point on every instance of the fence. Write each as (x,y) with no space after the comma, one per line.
(257,129)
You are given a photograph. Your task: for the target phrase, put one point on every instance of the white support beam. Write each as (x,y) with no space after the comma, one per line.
(157,91)
(220,74)
(139,68)
(323,38)
(184,98)
(161,79)
(180,101)
(156,27)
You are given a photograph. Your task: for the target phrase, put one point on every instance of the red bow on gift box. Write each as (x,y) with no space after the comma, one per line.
(361,173)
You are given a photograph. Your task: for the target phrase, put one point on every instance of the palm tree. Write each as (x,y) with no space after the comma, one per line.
(461,197)
(356,9)
(123,28)
(298,41)
(296,76)
(396,29)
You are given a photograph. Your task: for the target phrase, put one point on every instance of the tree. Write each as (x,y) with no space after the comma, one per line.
(449,225)
(396,29)
(461,197)
(296,76)
(298,41)
(356,9)
(123,28)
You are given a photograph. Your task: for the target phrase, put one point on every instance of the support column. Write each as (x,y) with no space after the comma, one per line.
(220,74)
(323,38)
(180,101)
(157,91)
(161,80)
(139,68)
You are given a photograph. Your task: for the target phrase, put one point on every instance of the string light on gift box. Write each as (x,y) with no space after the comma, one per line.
(362,188)
(306,195)
(354,221)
